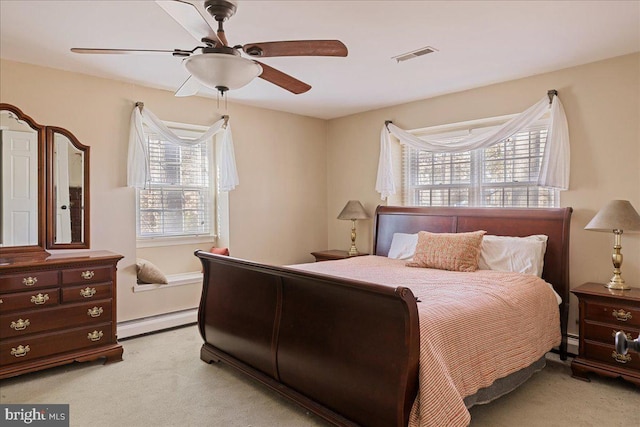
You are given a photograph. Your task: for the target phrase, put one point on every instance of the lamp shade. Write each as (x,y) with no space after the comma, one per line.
(353,210)
(221,70)
(615,215)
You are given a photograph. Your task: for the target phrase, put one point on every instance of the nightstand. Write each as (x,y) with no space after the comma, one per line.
(332,254)
(603,312)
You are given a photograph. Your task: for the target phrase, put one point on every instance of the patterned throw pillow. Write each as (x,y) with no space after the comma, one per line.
(448,251)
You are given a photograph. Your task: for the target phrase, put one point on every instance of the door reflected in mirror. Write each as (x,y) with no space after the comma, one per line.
(19,186)
(68,180)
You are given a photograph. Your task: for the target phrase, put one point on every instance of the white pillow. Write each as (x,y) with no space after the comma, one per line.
(517,254)
(403,246)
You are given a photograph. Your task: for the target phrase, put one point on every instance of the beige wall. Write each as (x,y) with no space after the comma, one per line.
(277,213)
(297,173)
(601,101)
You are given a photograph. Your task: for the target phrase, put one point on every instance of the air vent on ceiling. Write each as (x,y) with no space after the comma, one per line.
(414,54)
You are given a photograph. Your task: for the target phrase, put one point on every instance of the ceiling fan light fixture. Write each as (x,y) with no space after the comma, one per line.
(216,70)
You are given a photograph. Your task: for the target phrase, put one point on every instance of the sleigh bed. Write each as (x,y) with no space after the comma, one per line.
(358,344)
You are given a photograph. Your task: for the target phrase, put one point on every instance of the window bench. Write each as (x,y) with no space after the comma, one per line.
(179,279)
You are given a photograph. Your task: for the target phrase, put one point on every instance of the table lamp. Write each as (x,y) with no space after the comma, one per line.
(616,216)
(353,210)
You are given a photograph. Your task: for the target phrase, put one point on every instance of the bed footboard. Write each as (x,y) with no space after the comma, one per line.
(343,349)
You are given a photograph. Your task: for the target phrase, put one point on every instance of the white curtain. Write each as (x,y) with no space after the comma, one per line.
(138,166)
(554,171)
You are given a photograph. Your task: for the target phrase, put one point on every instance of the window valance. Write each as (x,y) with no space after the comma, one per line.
(554,171)
(137,168)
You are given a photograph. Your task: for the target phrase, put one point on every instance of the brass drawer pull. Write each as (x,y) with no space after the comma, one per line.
(20,325)
(621,315)
(20,351)
(95,311)
(87,274)
(88,292)
(40,299)
(29,281)
(626,334)
(95,335)
(621,358)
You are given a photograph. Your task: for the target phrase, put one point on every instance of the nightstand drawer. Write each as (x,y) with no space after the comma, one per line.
(612,313)
(607,354)
(606,333)
(24,349)
(27,300)
(32,321)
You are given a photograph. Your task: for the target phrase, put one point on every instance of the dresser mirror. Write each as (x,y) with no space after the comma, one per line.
(22,202)
(44,197)
(67,191)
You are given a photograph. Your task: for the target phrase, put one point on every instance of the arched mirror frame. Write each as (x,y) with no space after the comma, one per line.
(51,213)
(40,130)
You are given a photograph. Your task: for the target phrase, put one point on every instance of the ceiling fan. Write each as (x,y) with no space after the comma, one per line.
(221,66)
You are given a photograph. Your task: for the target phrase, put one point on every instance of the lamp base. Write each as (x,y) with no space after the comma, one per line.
(617,283)
(353,251)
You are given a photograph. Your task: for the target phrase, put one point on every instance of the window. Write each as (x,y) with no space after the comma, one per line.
(179,199)
(503,175)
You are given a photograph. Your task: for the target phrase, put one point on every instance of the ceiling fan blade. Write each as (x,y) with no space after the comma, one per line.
(296,48)
(190,87)
(120,51)
(283,80)
(191,18)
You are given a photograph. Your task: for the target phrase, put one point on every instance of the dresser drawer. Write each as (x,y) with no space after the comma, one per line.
(612,313)
(28,280)
(63,316)
(26,300)
(86,275)
(606,333)
(86,293)
(607,354)
(24,349)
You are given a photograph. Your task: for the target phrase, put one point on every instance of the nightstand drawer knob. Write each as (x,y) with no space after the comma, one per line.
(621,315)
(40,299)
(87,274)
(29,281)
(20,325)
(20,351)
(88,292)
(621,358)
(95,335)
(95,311)
(626,334)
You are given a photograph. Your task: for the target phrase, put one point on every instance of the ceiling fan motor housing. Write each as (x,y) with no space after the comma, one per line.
(221,10)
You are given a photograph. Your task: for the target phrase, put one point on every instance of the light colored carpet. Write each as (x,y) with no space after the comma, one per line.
(163,382)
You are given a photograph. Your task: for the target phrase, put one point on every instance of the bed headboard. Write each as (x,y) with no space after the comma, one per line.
(520,222)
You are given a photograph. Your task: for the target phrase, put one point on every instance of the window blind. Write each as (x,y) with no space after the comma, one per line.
(503,175)
(178,199)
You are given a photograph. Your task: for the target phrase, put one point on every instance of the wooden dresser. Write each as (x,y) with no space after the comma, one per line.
(57,309)
(604,312)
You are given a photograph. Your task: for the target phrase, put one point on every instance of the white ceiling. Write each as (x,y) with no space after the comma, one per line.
(478,42)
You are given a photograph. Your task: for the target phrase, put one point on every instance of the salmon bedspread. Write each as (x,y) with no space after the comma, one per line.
(474,328)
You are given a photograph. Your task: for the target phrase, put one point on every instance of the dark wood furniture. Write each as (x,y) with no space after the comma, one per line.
(46,210)
(604,312)
(54,309)
(333,254)
(57,309)
(348,350)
